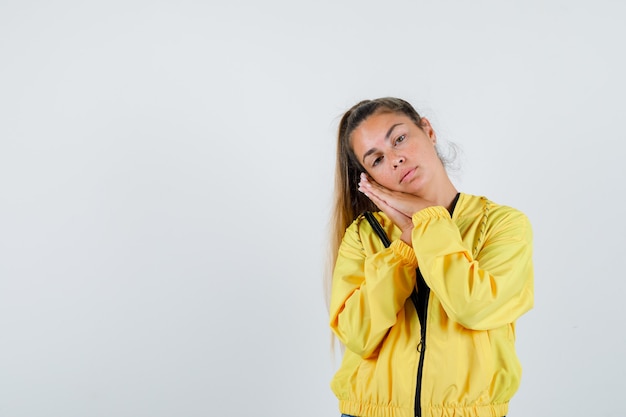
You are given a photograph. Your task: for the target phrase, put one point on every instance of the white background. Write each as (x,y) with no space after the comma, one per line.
(166,174)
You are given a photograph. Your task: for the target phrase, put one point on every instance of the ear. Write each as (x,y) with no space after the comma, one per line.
(428,129)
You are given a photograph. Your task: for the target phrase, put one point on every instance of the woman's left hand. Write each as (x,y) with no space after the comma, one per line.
(398,206)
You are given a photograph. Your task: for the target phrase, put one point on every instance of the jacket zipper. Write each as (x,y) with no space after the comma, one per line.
(419,296)
(420,300)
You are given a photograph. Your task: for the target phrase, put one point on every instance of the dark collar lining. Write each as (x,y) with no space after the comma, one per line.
(453,205)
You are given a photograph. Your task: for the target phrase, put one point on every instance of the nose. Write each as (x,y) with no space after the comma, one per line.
(397,161)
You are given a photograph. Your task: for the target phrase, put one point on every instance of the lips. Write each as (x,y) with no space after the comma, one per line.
(407,175)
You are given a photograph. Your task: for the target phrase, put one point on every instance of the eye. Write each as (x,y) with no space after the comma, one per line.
(400,139)
(377,161)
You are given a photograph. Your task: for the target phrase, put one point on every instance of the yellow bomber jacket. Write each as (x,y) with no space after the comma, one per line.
(478,266)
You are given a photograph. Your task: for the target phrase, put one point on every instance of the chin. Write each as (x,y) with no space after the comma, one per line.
(414,189)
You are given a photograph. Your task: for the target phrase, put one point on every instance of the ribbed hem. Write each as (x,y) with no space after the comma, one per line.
(359,409)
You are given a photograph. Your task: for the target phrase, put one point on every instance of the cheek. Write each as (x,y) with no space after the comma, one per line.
(383,179)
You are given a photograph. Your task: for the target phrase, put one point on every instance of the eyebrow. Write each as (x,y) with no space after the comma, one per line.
(371,151)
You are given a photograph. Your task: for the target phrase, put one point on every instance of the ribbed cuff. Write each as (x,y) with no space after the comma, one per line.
(430,213)
(404,251)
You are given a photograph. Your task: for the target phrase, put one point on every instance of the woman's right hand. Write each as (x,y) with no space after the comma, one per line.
(391,203)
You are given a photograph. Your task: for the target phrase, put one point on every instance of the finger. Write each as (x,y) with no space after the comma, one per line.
(382,205)
(397,217)
(377,193)
(369,183)
(374,198)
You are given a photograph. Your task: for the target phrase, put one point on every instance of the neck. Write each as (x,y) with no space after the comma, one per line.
(443,195)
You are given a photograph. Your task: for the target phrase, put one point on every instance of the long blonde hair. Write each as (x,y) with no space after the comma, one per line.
(348,202)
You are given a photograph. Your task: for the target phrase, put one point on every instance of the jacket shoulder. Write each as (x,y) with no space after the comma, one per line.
(473,205)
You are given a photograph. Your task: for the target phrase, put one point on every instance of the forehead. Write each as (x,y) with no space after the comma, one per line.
(376,127)
(382,119)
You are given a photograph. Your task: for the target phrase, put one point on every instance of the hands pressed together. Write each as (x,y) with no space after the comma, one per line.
(397,205)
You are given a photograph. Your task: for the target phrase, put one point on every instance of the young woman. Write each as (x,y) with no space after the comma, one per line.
(427,319)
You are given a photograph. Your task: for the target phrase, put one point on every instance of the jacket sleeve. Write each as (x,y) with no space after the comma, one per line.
(369,290)
(485,292)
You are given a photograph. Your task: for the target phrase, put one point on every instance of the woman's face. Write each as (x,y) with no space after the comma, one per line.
(397,153)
